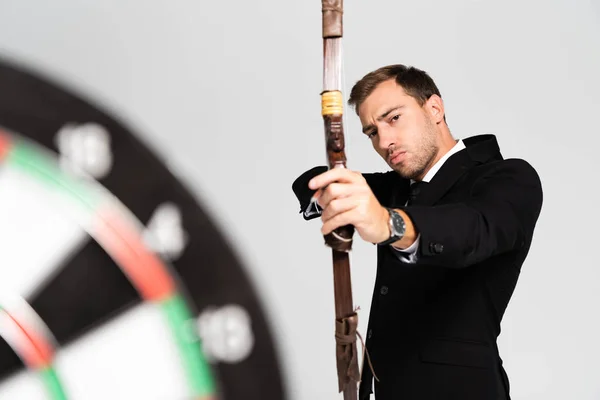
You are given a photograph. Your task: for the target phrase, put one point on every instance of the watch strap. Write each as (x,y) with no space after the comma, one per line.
(397,227)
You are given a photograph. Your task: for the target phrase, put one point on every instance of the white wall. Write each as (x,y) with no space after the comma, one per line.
(228,92)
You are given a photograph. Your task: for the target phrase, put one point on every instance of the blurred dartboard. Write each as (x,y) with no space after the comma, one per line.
(114,282)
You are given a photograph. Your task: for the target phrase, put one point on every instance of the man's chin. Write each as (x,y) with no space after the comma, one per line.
(405,173)
(401,171)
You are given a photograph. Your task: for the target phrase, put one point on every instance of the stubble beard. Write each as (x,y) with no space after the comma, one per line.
(427,151)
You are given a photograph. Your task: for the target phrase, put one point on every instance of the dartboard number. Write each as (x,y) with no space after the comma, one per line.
(85,149)
(226,333)
(164,233)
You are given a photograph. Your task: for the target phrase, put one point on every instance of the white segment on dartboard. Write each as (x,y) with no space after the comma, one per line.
(23,385)
(35,236)
(130,357)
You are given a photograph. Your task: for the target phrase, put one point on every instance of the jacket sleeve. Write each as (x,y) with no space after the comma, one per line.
(498,217)
(379,182)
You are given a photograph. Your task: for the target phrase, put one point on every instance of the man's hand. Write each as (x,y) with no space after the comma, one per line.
(347,199)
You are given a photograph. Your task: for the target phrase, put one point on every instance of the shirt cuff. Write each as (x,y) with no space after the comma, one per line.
(408,255)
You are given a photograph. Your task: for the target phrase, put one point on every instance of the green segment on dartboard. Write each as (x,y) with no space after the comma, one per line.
(27,158)
(197,369)
(52,384)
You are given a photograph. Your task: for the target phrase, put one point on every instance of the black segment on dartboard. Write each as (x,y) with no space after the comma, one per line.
(209,268)
(10,363)
(87,290)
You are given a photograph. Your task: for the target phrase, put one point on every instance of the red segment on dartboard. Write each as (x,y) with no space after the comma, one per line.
(37,351)
(146,271)
(4,144)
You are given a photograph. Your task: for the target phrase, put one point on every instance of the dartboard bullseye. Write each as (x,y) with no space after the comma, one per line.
(127,289)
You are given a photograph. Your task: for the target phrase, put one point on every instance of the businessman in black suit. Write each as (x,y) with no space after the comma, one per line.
(453,222)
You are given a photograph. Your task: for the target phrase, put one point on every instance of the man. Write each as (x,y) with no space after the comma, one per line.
(448,259)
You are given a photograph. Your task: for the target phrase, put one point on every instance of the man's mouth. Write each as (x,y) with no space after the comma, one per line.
(397,157)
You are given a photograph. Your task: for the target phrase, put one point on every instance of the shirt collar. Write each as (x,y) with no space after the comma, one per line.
(436,167)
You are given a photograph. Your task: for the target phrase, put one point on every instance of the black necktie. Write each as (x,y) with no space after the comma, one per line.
(414,191)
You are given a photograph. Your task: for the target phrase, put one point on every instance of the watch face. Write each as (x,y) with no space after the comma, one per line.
(115,283)
(398,225)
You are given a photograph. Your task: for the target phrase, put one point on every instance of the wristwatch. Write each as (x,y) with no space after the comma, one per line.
(397,227)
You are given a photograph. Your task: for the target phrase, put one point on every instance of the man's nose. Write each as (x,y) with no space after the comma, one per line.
(386,139)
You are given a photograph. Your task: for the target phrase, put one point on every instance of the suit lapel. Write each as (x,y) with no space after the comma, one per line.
(479,149)
(454,168)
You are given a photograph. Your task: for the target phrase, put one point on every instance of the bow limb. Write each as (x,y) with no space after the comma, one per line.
(339,240)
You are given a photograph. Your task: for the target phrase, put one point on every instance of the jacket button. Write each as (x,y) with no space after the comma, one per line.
(370,333)
(436,248)
(383,290)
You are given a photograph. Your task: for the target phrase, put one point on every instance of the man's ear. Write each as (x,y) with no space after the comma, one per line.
(435,108)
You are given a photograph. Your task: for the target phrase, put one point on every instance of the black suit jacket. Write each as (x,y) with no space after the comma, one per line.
(433,325)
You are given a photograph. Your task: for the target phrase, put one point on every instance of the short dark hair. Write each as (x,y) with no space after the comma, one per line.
(415,82)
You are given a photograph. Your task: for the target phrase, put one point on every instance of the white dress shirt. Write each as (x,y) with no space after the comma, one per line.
(409,255)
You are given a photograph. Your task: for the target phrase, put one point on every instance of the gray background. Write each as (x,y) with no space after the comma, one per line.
(227,93)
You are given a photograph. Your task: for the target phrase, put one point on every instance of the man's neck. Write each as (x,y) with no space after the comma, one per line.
(452,147)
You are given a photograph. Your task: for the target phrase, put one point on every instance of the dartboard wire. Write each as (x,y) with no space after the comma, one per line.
(34,351)
(17,306)
(117,230)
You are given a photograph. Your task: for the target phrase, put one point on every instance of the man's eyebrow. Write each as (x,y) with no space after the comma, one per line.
(382,116)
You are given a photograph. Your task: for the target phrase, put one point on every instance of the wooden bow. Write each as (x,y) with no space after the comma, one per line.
(339,240)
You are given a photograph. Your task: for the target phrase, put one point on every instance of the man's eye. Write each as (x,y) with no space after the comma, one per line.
(370,135)
(396,117)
